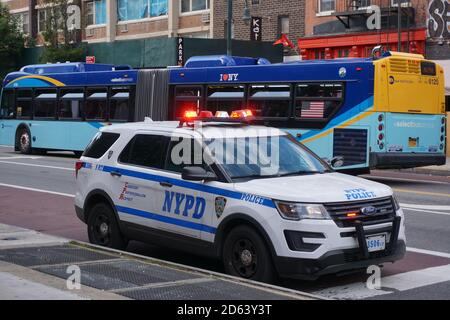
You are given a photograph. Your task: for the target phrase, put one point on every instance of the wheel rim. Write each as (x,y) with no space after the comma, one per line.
(24,141)
(245,258)
(102,229)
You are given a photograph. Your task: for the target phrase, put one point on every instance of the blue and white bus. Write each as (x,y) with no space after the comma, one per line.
(385,112)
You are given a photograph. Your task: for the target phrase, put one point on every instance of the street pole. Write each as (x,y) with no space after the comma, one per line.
(229,28)
(399,25)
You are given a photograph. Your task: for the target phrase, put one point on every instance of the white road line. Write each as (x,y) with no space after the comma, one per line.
(20,157)
(429,252)
(37,165)
(36,190)
(399,282)
(425,206)
(428,211)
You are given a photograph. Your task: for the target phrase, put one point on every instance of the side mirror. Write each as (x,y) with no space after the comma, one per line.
(337,162)
(197,174)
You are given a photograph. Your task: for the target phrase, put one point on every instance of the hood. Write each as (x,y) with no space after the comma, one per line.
(317,188)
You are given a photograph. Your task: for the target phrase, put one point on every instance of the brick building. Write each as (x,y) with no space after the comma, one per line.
(110,20)
(278,17)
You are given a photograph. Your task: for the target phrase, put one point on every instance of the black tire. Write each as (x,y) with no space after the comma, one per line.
(103,228)
(246,255)
(24,141)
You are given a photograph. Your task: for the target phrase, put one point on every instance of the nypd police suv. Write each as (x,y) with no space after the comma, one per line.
(250,195)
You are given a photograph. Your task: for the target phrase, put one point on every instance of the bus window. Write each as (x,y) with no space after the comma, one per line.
(225,98)
(119,104)
(96,104)
(45,101)
(71,104)
(317,100)
(187,98)
(270,101)
(8,108)
(24,105)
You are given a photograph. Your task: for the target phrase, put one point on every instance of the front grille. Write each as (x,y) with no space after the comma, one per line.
(338,211)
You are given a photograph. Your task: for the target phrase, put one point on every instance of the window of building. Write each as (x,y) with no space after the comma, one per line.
(96,12)
(42,19)
(270,101)
(45,102)
(255,2)
(141,9)
(194,5)
(283,25)
(146,150)
(317,100)
(71,104)
(327,5)
(23,22)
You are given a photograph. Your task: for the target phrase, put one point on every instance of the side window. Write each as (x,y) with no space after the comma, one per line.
(45,101)
(318,101)
(71,104)
(8,107)
(96,104)
(225,98)
(270,101)
(146,150)
(187,99)
(177,159)
(24,103)
(100,144)
(120,104)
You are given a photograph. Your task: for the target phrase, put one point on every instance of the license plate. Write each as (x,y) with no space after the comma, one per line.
(412,142)
(376,243)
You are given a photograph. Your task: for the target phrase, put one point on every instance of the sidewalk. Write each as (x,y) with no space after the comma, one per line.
(36,266)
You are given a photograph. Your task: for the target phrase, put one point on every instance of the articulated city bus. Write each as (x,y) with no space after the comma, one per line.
(380,112)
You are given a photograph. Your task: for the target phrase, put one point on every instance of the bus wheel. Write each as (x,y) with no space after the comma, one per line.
(103,228)
(25,141)
(245,254)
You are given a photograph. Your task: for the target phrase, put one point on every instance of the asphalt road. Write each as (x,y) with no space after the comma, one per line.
(36,192)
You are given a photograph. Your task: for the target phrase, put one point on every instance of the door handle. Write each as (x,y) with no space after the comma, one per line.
(166,184)
(115,174)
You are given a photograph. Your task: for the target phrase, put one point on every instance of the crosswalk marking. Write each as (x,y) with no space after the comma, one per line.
(399,282)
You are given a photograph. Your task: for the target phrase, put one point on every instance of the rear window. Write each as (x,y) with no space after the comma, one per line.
(100,144)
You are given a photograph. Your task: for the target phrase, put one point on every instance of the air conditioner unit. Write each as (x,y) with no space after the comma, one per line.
(405,3)
(206,18)
(89,32)
(123,27)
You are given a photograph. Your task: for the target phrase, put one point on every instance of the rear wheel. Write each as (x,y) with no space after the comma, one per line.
(245,254)
(103,228)
(24,141)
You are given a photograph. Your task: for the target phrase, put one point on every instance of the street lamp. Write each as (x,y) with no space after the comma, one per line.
(246,17)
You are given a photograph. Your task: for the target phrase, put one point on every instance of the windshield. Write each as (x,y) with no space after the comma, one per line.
(264,157)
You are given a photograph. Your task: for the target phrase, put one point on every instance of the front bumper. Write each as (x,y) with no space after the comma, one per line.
(342,260)
(405,160)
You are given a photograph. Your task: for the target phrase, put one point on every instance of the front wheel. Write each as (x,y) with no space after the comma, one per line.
(24,142)
(245,254)
(103,228)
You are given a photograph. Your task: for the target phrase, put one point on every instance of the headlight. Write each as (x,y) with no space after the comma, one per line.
(299,211)
(396,204)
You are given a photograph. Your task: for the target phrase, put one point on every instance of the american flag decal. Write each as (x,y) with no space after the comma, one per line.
(315,109)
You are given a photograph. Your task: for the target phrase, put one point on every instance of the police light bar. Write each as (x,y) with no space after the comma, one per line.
(242,113)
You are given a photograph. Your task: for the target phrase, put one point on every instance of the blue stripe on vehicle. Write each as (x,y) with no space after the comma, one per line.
(165,219)
(186,184)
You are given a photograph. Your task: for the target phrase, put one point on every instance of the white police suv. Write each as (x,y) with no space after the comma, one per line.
(250,195)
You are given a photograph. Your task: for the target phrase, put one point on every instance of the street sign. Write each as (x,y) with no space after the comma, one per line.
(90,59)
(256,29)
(180,52)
